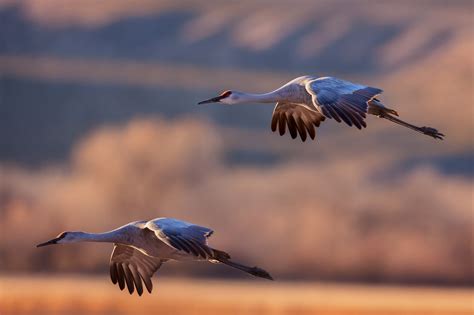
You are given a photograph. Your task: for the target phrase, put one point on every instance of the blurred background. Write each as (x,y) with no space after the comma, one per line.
(99,127)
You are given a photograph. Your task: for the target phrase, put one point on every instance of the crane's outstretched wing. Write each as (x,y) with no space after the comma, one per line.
(342,100)
(299,118)
(130,266)
(183,236)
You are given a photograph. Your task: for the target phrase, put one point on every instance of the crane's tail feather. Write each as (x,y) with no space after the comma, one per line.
(224,258)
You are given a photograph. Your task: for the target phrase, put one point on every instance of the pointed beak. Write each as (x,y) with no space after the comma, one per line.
(211,100)
(50,242)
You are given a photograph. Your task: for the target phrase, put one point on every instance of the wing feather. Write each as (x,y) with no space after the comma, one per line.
(282,125)
(136,279)
(275,122)
(356,119)
(306,121)
(121,276)
(292,126)
(113,273)
(298,118)
(342,115)
(301,128)
(183,236)
(342,100)
(129,267)
(128,277)
(331,109)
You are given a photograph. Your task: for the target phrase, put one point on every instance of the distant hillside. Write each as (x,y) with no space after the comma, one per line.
(310,37)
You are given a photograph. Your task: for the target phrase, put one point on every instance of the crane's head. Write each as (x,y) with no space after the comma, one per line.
(226,97)
(64,237)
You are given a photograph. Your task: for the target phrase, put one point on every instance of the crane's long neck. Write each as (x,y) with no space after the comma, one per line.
(271,97)
(287,92)
(115,236)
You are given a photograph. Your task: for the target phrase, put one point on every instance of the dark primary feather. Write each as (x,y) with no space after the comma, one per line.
(299,120)
(130,267)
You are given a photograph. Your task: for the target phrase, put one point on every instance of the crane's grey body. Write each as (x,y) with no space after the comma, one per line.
(150,237)
(141,247)
(305,102)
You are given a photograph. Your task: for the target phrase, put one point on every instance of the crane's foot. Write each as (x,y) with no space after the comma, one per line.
(432,132)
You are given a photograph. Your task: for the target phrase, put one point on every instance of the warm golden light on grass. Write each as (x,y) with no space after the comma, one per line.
(95,295)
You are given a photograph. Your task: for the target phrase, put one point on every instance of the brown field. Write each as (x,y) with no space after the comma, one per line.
(96,295)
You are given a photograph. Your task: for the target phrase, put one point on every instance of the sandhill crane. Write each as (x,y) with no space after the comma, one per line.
(306,101)
(141,247)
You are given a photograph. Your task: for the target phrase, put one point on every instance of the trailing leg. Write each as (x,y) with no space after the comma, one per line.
(224,258)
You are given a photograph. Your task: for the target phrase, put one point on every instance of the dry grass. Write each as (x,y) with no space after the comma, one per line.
(95,295)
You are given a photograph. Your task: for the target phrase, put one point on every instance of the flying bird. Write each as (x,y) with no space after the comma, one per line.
(141,247)
(305,102)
